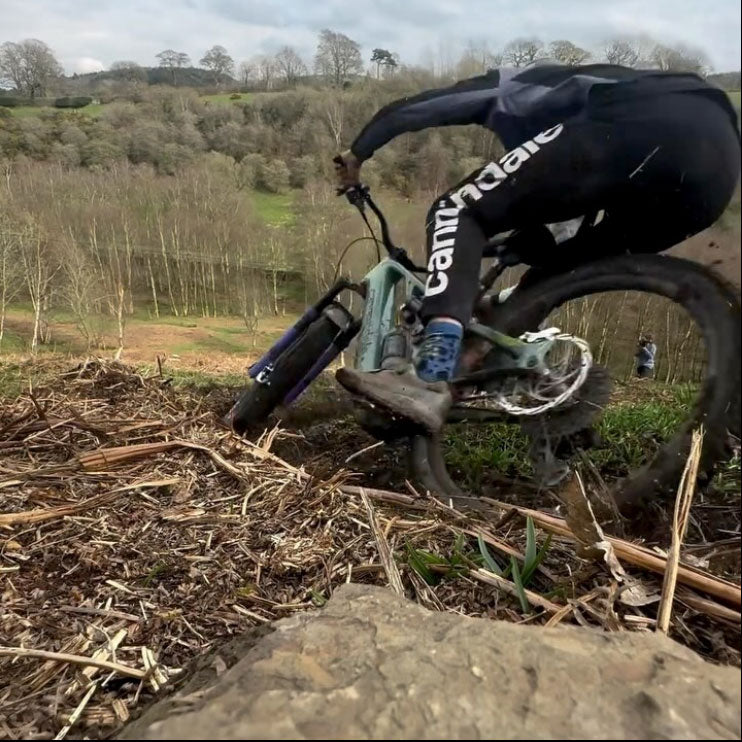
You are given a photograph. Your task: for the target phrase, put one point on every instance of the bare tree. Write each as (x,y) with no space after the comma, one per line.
(522,52)
(337,57)
(114,259)
(274,258)
(166,266)
(566,52)
(624,52)
(246,71)
(680,58)
(219,62)
(39,268)
(331,108)
(11,272)
(289,65)
(172,60)
(247,294)
(81,291)
(29,65)
(265,67)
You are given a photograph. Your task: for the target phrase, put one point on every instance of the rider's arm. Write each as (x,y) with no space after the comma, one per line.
(466,102)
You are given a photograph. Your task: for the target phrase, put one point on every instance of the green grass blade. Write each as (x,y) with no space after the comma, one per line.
(418,561)
(489,560)
(530,545)
(528,573)
(518,582)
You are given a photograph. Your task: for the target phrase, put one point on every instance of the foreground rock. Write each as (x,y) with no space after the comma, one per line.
(373,666)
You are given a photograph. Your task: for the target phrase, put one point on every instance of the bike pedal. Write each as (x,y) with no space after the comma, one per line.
(381,424)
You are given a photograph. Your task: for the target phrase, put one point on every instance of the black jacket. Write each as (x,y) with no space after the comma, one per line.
(517,104)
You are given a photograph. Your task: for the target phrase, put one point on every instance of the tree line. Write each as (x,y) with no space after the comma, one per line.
(98,248)
(275,142)
(31,68)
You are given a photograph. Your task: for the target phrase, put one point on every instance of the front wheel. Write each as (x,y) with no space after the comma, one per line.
(712,307)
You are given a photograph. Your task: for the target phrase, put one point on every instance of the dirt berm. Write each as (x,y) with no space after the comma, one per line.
(371,665)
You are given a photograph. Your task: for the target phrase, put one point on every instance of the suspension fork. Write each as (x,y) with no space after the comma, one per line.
(293,332)
(339,344)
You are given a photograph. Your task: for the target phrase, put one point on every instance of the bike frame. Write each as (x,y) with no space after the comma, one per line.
(379,309)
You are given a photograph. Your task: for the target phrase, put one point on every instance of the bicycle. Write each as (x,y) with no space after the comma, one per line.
(512,369)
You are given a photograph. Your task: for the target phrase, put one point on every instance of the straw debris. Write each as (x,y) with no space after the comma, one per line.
(137,535)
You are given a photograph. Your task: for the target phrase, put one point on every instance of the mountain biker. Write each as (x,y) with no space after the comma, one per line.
(646,158)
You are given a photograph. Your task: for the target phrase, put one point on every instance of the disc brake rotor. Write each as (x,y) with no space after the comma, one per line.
(565,369)
(579,413)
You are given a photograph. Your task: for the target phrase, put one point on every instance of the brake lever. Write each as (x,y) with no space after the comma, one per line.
(356,195)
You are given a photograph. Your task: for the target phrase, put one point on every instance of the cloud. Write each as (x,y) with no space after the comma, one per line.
(108,30)
(87,64)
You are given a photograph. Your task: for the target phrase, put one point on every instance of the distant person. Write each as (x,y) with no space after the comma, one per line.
(644,158)
(645,354)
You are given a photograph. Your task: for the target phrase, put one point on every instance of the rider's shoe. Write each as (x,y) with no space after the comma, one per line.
(402,393)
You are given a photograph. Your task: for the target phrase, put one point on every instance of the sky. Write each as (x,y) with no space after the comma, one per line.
(87,35)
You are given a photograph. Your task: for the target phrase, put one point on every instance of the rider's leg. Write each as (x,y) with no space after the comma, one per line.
(448,228)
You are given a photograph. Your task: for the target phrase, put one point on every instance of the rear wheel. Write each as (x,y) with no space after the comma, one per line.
(713,308)
(257,402)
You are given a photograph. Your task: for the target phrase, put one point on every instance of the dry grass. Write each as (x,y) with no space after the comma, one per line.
(137,532)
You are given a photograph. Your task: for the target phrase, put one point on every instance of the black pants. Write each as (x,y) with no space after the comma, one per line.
(658,170)
(644,372)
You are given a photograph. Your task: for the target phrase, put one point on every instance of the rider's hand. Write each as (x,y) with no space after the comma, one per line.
(348,171)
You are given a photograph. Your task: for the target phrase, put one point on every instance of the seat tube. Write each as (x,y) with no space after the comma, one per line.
(379,310)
